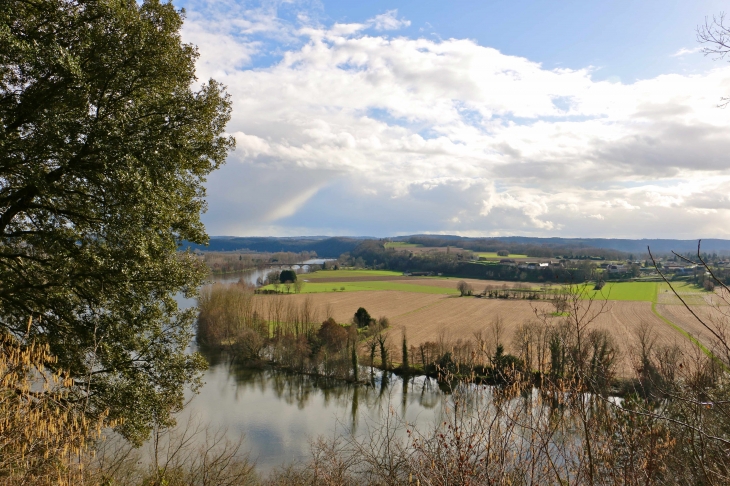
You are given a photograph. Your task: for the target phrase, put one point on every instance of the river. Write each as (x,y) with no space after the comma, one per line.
(280,413)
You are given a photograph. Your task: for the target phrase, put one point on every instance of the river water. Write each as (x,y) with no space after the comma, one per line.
(280,413)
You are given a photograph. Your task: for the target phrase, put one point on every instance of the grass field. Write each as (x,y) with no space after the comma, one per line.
(690,293)
(317,287)
(658,292)
(494,255)
(681,287)
(401,244)
(628,291)
(349,273)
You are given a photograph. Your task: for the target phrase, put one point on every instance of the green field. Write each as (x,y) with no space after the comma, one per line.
(350,273)
(317,287)
(634,291)
(494,255)
(401,244)
(639,291)
(681,287)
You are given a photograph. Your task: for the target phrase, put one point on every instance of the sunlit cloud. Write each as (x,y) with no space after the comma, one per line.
(371,132)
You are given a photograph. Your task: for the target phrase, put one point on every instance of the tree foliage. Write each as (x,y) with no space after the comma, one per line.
(104,148)
(288,276)
(362,317)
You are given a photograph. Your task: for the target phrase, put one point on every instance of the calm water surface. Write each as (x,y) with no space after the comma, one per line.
(279,413)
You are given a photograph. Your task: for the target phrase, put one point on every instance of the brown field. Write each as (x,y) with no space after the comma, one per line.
(429,317)
(711,315)
(378,303)
(461,317)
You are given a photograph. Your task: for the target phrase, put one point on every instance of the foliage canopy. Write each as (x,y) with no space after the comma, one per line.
(287,276)
(105,143)
(362,317)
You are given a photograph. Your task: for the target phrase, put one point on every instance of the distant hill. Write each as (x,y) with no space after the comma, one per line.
(324,246)
(709,245)
(637,246)
(333,247)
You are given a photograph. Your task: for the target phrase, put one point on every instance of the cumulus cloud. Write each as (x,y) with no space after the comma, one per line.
(368,133)
(388,21)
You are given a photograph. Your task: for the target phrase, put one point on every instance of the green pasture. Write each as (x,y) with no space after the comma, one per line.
(631,291)
(319,287)
(494,255)
(349,273)
(638,291)
(401,244)
(681,287)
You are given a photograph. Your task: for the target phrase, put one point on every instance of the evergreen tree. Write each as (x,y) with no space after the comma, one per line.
(106,138)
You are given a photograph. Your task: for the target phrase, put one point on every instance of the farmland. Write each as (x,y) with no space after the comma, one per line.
(334,287)
(350,273)
(627,291)
(437,317)
(429,308)
(401,244)
(493,255)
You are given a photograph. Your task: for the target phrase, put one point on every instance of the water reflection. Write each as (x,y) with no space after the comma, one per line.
(280,412)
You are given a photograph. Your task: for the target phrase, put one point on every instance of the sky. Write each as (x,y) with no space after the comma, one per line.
(475,118)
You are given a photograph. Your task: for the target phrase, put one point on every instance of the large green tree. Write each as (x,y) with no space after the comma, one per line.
(106,138)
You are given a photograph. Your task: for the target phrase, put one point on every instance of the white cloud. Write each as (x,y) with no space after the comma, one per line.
(378,134)
(388,21)
(684,51)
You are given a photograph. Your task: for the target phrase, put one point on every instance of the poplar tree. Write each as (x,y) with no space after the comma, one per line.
(406,365)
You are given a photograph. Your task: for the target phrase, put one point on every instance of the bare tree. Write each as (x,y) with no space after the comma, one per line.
(715,35)
(464,288)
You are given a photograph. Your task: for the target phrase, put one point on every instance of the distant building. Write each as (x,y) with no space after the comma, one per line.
(615,268)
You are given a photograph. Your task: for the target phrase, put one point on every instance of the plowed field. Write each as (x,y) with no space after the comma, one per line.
(378,303)
(461,317)
(426,316)
(680,316)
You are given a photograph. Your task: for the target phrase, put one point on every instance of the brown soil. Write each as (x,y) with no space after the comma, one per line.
(378,303)
(715,318)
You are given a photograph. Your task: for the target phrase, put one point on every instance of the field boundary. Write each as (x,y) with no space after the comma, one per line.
(684,333)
